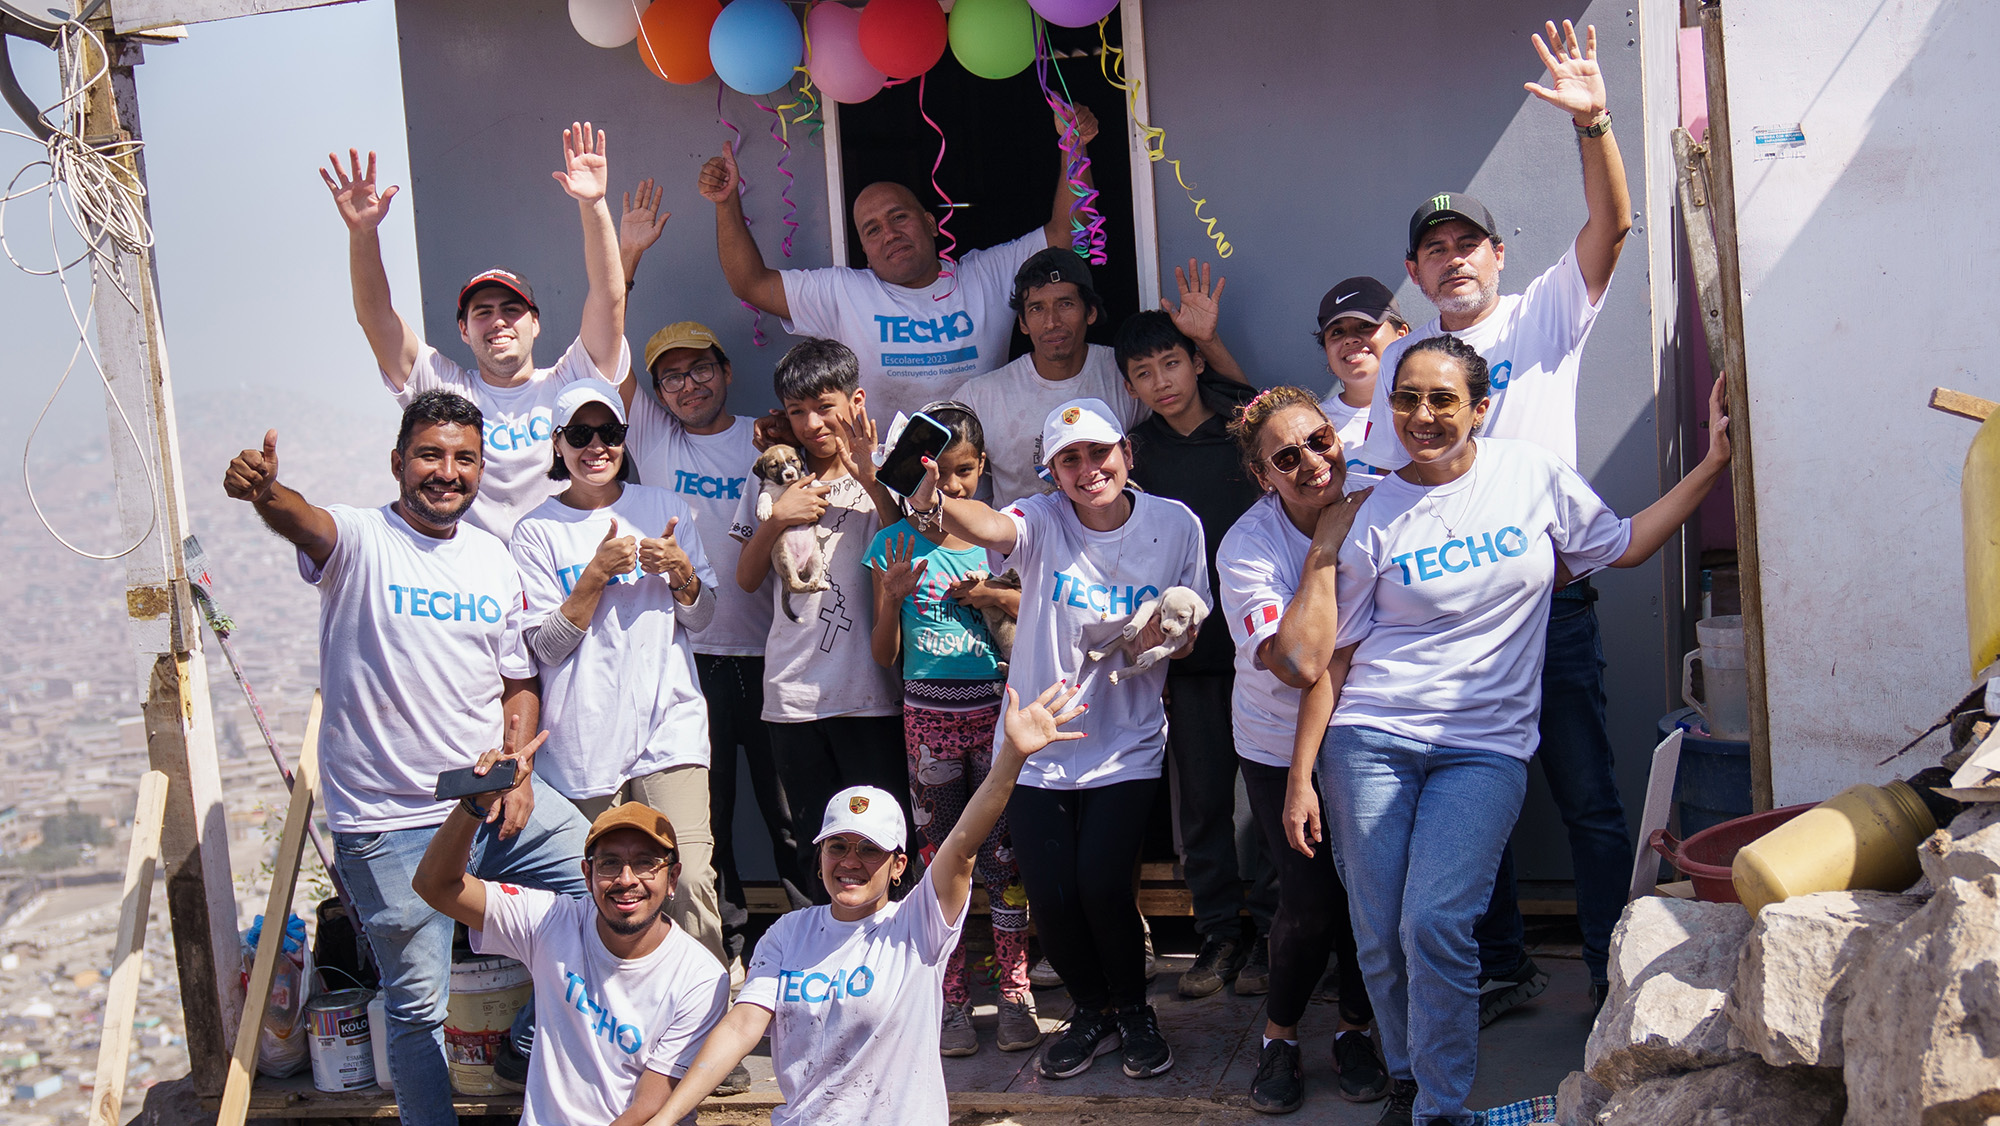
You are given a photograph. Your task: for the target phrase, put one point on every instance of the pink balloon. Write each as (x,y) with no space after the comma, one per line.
(834,58)
(1073,13)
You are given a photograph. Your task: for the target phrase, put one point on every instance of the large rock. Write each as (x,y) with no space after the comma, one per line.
(1746,1092)
(1968,849)
(1673,962)
(1797,971)
(1578,1099)
(1922,1034)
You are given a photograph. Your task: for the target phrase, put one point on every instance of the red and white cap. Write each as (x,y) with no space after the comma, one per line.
(866,810)
(1079,420)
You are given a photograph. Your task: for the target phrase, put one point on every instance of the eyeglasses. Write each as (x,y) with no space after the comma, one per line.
(1441,403)
(867,852)
(643,867)
(578,434)
(701,373)
(1284,459)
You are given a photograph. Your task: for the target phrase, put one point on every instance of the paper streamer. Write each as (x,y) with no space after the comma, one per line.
(950,243)
(757,336)
(1154,137)
(1087,236)
(781,133)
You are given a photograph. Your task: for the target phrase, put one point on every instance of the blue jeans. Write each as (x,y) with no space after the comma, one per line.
(1417,831)
(412,942)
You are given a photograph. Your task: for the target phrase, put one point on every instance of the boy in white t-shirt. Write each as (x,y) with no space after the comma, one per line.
(1358,320)
(499,321)
(835,717)
(623,997)
(919,325)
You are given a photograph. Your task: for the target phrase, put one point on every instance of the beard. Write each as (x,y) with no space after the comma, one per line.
(637,925)
(1489,292)
(414,501)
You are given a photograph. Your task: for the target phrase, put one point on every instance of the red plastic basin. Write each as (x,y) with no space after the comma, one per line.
(1705,857)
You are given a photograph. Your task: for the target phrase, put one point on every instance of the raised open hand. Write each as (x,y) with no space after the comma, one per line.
(1086,123)
(858,444)
(1031,728)
(362,208)
(1200,308)
(1718,419)
(252,473)
(719,177)
(901,576)
(1576,85)
(640,225)
(586,175)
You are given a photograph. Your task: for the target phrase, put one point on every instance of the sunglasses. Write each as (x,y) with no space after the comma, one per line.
(578,434)
(1284,459)
(702,373)
(644,867)
(1441,403)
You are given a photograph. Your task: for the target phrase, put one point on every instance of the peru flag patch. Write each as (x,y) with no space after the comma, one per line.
(1260,617)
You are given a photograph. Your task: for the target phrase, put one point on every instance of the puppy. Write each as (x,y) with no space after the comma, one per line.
(796,554)
(999,626)
(1180,611)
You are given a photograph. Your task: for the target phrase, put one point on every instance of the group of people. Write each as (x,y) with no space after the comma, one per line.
(601,574)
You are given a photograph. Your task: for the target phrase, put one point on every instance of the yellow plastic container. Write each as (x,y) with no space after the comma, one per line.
(1979,495)
(1864,837)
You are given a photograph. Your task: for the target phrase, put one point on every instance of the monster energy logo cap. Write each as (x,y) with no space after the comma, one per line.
(1446,206)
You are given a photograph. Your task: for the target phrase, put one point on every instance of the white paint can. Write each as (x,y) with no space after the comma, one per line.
(342,1055)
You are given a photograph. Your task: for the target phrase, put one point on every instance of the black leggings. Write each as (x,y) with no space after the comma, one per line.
(821,757)
(1076,850)
(1312,919)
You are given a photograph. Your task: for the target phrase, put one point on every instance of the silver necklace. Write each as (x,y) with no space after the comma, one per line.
(1430,502)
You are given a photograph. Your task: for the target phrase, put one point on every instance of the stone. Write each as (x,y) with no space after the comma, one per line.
(1747,1091)
(1578,1099)
(1922,1032)
(1673,962)
(1967,849)
(1796,973)
(173,1102)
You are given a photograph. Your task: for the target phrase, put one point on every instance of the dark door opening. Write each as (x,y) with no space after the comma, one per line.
(1000,157)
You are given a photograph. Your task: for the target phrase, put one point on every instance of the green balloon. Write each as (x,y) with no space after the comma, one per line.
(993,38)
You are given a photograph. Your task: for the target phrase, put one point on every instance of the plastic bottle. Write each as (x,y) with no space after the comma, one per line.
(1864,837)
(378,1032)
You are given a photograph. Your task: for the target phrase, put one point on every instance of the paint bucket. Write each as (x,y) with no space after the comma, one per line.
(485,995)
(343,1056)
(1725,681)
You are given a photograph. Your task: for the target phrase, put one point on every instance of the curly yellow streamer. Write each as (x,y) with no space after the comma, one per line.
(1154,137)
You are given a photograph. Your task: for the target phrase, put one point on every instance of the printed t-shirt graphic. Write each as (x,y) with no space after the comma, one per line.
(415,634)
(942,640)
(626,702)
(520,427)
(914,345)
(711,472)
(1012,402)
(600,1021)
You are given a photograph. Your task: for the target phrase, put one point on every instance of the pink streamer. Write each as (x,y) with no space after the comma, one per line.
(757,336)
(1087,235)
(951,243)
(780,133)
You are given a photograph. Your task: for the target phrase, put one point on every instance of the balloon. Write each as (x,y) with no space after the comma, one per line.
(673,39)
(837,66)
(606,23)
(903,38)
(755,44)
(993,38)
(1073,13)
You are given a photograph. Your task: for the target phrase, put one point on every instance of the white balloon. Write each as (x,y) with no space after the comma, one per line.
(607,23)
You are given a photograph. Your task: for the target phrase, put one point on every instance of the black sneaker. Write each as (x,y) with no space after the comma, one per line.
(1255,978)
(1280,1086)
(1145,1052)
(1088,1036)
(1401,1109)
(1363,1076)
(508,1063)
(1222,957)
(1499,994)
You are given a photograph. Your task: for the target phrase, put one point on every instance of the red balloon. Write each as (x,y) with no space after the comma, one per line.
(673,39)
(903,38)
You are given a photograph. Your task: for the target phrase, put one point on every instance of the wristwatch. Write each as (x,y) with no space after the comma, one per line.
(1598,127)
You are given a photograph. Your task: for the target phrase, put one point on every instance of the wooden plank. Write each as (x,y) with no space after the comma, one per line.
(122,1000)
(1961,404)
(277,907)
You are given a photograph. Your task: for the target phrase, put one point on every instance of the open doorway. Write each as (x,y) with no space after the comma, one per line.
(1000,158)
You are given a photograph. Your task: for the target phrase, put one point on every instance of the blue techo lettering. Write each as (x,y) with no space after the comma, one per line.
(1500,374)
(503,437)
(443,605)
(713,488)
(938,330)
(600,1020)
(818,988)
(1073,591)
(1473,551)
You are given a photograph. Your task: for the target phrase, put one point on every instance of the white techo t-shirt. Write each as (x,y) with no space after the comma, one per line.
(520,427)
(1259,562)
(1014,400)
(1533,344)
(915,345)
(711,472)
(626,702)
(415,634)
(821,665)
(1072,578)
(1352,424)
(1447,590)
(855,1010)
(600,1021)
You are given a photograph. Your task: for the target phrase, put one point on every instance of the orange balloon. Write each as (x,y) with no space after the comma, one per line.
(673,39)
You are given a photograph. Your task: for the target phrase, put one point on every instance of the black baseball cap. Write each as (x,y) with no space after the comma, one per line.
(504,279)
(1446,206)
(1361,297)
(1047,267)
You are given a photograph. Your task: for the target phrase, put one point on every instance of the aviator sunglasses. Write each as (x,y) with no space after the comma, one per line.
(1441,403)
(1284,459)
(577,434)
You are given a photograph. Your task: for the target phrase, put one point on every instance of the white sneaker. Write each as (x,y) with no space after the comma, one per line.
(1044,976)
(1152,965)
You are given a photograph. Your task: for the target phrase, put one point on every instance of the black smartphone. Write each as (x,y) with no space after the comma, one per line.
(463,783)
(922,437)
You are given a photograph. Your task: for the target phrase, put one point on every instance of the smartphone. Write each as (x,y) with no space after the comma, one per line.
(922,437)
(463,783)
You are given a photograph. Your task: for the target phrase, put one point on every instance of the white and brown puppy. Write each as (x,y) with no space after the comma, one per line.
(1180,612)
(796,555)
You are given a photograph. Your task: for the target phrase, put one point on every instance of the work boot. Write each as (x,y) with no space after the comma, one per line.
(1505,991)
(1401,1109)
(1145,1053)
(956,1036)
(1358,1062)
(1255,978)
(1280,1085)
(1019,1030)
(1222,957)
(1088,1036)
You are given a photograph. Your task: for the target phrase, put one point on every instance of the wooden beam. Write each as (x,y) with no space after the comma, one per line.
(277,907)
(1961,404)
(122,1000)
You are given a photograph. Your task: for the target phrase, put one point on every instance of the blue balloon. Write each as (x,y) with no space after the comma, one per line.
(755,44)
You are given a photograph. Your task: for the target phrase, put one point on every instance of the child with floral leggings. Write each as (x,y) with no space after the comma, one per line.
(930,591)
